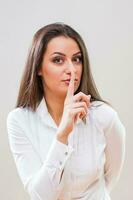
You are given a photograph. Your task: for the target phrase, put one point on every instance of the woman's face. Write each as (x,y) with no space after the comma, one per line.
(62,56)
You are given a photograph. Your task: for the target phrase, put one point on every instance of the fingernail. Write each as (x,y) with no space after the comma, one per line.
(89,96)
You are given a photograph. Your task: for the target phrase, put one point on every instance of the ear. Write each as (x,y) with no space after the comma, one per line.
(39,72)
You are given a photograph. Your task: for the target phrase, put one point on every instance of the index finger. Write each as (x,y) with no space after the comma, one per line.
(70,91)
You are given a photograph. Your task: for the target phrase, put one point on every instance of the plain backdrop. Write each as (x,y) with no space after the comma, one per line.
(107,29)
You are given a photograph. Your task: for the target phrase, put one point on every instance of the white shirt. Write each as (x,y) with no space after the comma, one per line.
(85,169)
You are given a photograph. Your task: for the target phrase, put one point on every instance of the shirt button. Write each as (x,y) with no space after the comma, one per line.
(60,162)
(66,153)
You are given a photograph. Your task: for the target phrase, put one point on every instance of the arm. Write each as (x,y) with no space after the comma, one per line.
(114,152)
(42,180)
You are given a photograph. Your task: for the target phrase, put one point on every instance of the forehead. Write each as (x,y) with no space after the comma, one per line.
(62,44)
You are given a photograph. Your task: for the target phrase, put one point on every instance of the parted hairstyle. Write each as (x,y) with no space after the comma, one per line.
(31,87)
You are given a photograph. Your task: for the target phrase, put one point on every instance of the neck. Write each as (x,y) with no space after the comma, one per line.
(55,105)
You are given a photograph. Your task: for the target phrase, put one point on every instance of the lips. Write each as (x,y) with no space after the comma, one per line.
(69,80)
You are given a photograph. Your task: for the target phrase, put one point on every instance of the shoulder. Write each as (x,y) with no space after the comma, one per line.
(102,108)
(16,113)
(103,114)
(21,122)
(18,116)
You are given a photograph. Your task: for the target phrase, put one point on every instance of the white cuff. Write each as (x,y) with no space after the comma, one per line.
(58,154)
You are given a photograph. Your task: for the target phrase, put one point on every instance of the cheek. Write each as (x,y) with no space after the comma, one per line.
(79,72)
(52,75)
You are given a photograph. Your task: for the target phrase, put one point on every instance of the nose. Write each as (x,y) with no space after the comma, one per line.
(70,67)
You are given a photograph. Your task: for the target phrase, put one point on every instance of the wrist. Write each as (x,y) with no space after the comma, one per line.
(62,138)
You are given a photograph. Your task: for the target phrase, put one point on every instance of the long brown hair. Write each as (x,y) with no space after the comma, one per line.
(31,87)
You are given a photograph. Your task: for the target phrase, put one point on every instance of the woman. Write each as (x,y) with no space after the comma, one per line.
(67,142)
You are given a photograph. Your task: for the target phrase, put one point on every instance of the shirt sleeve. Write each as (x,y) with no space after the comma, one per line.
(42,180)
(114,152)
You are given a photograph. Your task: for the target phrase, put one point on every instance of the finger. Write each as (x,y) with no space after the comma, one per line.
(70,91)
(79,111)
(82,97)
(76,117)
(80,104)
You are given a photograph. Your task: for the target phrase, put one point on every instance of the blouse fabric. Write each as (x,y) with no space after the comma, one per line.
(87,168)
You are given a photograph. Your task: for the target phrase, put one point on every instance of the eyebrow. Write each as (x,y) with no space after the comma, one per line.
(64,54)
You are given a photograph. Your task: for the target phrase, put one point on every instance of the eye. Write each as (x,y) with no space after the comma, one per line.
(57,60)
(77,59)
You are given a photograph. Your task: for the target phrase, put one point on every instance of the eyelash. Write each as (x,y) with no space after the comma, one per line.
(59,58)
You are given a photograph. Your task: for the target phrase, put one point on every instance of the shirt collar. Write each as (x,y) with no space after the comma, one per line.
(42,109)
(45,116)
(96,104)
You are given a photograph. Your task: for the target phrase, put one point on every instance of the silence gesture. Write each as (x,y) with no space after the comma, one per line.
(74,106)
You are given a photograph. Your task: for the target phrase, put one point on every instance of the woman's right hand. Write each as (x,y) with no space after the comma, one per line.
(74,106)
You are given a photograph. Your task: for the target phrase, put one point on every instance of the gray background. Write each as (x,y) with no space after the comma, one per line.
(106,27)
